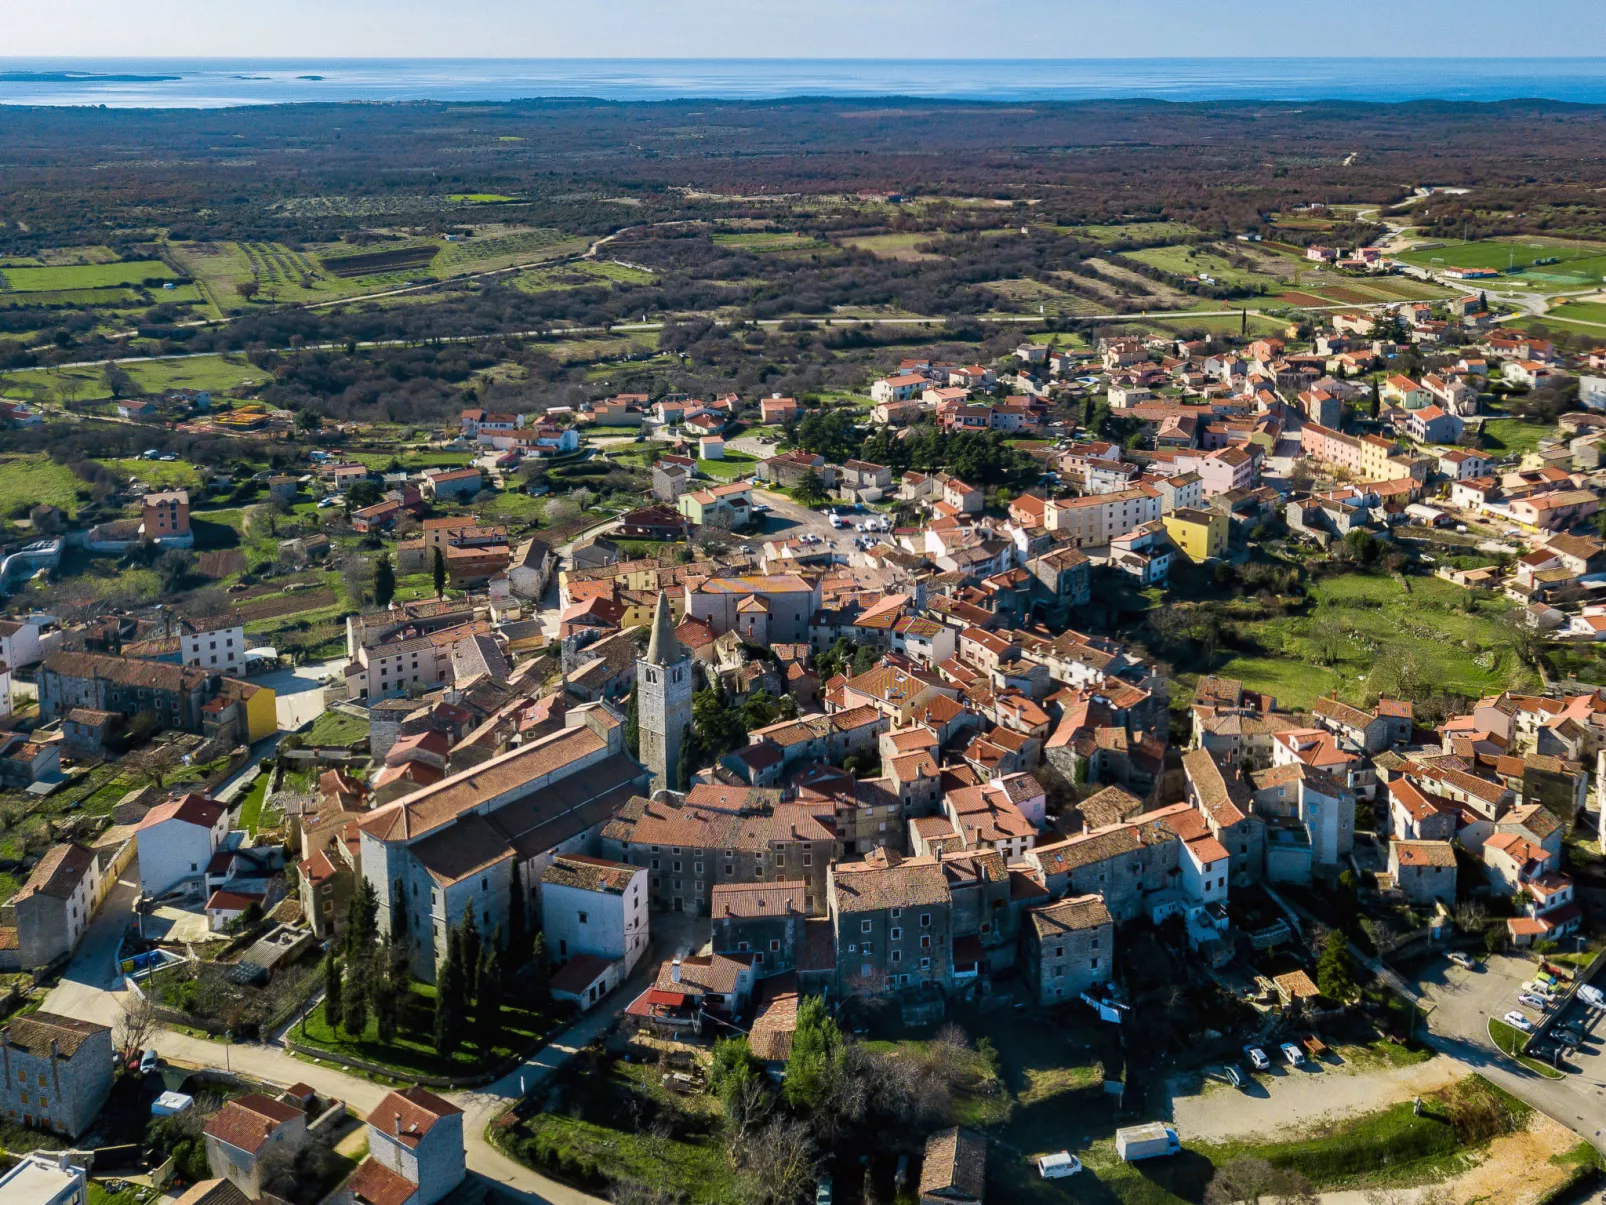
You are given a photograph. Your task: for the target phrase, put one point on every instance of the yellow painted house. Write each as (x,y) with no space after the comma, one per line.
(1200,534)
(260,704)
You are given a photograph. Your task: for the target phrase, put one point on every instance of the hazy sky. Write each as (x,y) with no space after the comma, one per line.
(799,28)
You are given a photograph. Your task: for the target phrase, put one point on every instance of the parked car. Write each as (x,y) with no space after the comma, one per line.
(1463,960)
(1567,1036)
(1533,1001)
(1257,1058)
(149,1061)
(1233,1076)
(1292,1053)
(1517,1021)
(1058,1165)
(1592,996)
(1537,987)
(822,1191)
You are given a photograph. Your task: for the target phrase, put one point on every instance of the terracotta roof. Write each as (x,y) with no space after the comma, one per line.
(192,809)
(35,1032)
(758,899)
(955,1166)
(408,1114)
(246,1122)
(58,873)
(1070,915)
(589,874)
(1423,853)
(375,1184)
(886,880)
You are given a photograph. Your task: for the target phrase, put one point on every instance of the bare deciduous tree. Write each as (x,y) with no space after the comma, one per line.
(134,1026)
(778,1164)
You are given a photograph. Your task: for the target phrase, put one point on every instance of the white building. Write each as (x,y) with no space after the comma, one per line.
(45,1178)
(1204,870)
(214,643)
(19,643)
(176,841)
(596,907)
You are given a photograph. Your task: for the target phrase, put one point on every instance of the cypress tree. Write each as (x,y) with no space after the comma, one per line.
(383,993)
(518,930)
(540,973)
(438,570)
(449,1000)
(354,1004)
(331,990)
(471,948)
(488,1009)
(384,580)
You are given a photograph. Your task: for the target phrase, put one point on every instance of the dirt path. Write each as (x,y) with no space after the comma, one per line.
(1284,1099)
(1518,1171)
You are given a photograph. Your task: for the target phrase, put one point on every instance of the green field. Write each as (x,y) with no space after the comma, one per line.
(1191,261)
(83,276)
(1579,311)
(735,464)
(214,373)
(578,275)
(1513,436)
(164,474)
(1385,632)
(26,481)
(905,245)
(1132,232)
(769,241)
(1578,263)
(479,198)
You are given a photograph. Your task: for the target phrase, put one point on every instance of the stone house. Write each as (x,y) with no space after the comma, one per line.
(245,1131)
(892,919)
(1423,871)
(53,908)
(764,920)
(57,1071)
(1069,947)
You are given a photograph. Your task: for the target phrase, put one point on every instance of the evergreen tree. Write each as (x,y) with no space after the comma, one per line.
(488,1008)
(633,724)
(354,1003)
(449,999)
(1335,971)
(1377,399)
(331,990)
(815,1045)
(362,919)
(518,928)
(398,911)
(438,571)
(384,580)
(471,946)
(540,972)
(385,1007)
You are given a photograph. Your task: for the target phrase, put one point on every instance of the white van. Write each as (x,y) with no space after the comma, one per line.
(1058,1165)
(836,519)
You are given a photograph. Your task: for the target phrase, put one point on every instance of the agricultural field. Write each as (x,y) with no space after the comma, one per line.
(505,250)
(1034,293)
(27,481)
(479,198)
(1513,436)
(1196,261)
(83,276)
(1578,311)
(1132,232)
(770,241)
(215,373)
(578,275)
(1378,630)
(905,246)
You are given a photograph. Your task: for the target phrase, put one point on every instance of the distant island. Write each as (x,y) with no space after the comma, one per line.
(311,77)
(80,77)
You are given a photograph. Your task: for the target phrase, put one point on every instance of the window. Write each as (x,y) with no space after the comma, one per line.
(897,913)
(741,947)
(867,947)
(896,933)
(897,956)
(775,945)
(1095,964)
(808,859)
(697,868)
(583,917)
(676,866)
(925,920)
(925,943)
(925,964)
(864,926)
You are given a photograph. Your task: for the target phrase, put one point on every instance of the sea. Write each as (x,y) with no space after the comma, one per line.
(222,83)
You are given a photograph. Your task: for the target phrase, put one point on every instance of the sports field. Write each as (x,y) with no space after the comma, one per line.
(1554,261)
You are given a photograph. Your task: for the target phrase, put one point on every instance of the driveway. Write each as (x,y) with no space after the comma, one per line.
(300,691)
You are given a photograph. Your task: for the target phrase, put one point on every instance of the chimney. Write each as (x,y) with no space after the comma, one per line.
(674,971)
(398,1123)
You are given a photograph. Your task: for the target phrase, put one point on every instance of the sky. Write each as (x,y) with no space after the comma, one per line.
(1055,29)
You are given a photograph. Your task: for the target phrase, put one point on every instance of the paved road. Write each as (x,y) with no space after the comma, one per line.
(1462,1003)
